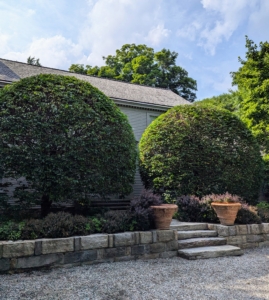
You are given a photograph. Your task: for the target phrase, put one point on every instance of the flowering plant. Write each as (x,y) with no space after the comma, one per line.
(222,198)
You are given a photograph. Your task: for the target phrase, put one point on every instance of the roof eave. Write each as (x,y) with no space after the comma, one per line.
(143,105)
(4,82)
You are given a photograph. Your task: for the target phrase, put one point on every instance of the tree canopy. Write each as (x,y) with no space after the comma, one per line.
(33,61)
(140,64)
(252,80)
(227,101)
(66,138)
(198,150)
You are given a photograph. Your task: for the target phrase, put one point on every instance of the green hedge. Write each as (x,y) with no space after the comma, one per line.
(200,150)
(67,138)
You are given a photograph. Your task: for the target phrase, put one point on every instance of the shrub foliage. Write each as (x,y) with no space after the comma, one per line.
(194,209)
(200,150)
(66,138)
(142,214)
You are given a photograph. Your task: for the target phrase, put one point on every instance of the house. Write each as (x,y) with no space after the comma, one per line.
(140,103)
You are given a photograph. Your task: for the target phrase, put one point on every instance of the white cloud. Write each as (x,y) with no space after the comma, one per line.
(30,12)
(189,31)
(157,34)
(219,19)
(230,14)
(108,25)
(112,23)
(259,20)
(55,51)
(4,43)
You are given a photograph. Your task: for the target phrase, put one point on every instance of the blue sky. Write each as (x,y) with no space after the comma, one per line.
(208,35)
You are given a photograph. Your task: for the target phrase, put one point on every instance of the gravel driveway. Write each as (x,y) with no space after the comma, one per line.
(245,277)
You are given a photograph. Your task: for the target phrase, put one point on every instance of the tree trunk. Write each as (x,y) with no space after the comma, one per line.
(45,205)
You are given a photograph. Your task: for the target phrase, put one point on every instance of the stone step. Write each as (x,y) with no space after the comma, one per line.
(187,226)
(182,235)
(201,242)
(210,252)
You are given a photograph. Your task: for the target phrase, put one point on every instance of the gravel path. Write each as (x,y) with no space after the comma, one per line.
(245,277)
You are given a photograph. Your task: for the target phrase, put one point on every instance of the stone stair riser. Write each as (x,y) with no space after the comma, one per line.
(196,234)
(201,242)
(210,252)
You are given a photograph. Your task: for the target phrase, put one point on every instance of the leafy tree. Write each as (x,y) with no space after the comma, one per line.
(139,64)
(33,61)
(79,68)
(252,80)
(66,138)
(226,101)
(199,150)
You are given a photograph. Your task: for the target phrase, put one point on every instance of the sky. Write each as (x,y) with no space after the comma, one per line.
(208,35)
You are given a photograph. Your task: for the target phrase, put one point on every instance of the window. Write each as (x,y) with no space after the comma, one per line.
(151,117)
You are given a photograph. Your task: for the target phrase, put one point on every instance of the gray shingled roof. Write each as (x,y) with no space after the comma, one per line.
(7,74)
(12,70)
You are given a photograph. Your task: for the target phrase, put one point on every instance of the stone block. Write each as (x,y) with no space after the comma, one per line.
(266,237)
(128,250)
(13,263)
(241,229)
(136,238)
(77,243)
(173,245)
(124,239)
(145,237)
(100,254)
(18,249)
(232,230)
(110,240)
(255,238)
(236,240)
(1,249)
(264,244)
(168,254)
(265,227)
(175,235)
(39,261)
(38,247)
(212,227)
(94,241)
(139,250)
(114,252)
(157,247)
(57,245)
(78,257)
(124,258)
(150,256)
(154,236)
(249,245)
(223,230)
(165,235)
(4,264)
(254,229)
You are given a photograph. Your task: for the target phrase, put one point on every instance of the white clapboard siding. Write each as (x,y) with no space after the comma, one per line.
(139,120)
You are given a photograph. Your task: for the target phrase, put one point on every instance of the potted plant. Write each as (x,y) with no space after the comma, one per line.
(226,207)
(163,213)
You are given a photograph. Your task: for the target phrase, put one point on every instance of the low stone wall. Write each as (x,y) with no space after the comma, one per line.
(244,236)
(95,248)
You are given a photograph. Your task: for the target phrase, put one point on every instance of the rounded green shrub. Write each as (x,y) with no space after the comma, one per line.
(66,138)
(199,150)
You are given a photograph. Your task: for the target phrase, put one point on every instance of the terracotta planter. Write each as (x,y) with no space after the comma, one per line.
(163,215)
(226,212)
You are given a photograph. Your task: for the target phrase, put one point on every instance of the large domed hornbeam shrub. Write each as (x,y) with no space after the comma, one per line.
(66,138)
(198,151)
